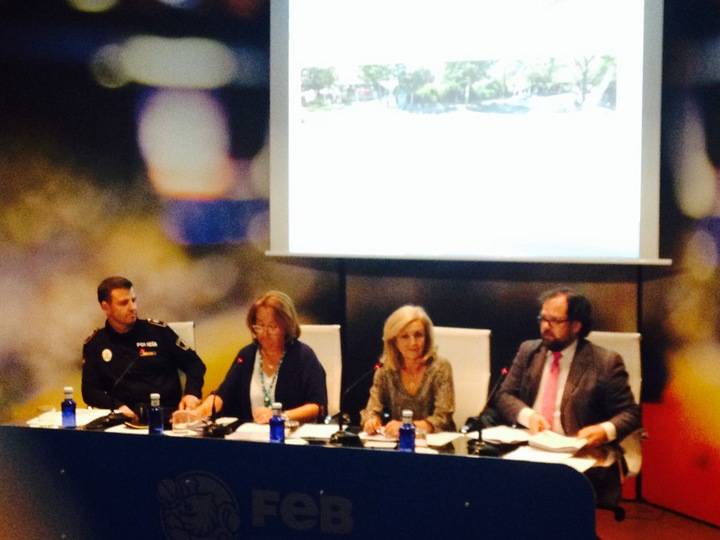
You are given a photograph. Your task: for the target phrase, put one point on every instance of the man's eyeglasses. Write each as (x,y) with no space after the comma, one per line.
(550,320)
(270,329)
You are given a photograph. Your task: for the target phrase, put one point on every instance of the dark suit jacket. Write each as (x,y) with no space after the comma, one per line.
(596,390)
(301,380)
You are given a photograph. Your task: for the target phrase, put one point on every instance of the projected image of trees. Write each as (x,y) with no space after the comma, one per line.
(490,86)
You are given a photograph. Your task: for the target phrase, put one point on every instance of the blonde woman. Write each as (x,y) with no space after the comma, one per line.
(412,377)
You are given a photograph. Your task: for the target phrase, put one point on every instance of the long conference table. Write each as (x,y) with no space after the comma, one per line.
(59,483)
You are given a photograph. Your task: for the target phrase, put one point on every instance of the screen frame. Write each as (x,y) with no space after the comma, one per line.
(650,148)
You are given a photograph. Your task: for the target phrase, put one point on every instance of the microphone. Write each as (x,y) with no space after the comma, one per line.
(213,429)
(114,418)
(487,416)
(347,438)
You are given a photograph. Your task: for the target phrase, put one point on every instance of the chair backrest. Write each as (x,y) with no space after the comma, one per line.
(627,344)
(324,339)
(468,351)
(186,331)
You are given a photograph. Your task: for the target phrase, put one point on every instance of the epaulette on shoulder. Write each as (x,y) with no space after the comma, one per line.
(89,338)
(157,323)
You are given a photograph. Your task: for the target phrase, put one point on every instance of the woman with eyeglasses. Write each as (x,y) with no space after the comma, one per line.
(276,366)
(413,377)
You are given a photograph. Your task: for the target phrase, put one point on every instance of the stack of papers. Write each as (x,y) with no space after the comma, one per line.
(53,419)
(535,455)
(251,432)
(554,442)
(321,432)
(441,438)
(505,435)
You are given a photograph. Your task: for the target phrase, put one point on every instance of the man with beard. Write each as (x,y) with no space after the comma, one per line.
(564,383)
(129,358)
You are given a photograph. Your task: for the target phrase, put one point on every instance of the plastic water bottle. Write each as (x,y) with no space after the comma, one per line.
(68,407)
(407,432)
(155,415)
(277,424)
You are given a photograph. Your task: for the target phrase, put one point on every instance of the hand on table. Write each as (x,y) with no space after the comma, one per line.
(262,415)
(127,411)
(189,401)
(372,425)
(537,423)
(392,429)
(595,435)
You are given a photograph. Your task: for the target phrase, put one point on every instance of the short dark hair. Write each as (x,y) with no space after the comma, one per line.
(579,307)
(109,284)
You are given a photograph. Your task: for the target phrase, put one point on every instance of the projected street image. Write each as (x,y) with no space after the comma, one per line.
(514,87)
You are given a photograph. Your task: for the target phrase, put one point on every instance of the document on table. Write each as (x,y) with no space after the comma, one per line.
(250,431)
(315,431)
(529,453)
(53,419)
(554,442)
(379,440)
(442,438)
(505,435)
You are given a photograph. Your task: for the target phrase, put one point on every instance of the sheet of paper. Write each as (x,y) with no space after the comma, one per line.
(53,419)
(122,428)
(442,438)
(251,432)
(314,431)
(504,435)
(554,442)
(528,453)
(379,440)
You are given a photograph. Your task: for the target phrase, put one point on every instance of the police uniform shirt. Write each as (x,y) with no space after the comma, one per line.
(123,369)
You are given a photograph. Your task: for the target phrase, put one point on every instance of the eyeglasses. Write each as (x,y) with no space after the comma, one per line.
(550,320)
(271,329)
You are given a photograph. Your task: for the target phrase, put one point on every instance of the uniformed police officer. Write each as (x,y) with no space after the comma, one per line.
(130,358)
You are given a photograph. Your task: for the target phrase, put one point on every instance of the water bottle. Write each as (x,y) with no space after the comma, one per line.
(277,424)
(155,415)
(68,408)
(407,432)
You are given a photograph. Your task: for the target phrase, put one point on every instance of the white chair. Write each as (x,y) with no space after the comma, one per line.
(186,331)
(468,351)
(324,339)
(627,344)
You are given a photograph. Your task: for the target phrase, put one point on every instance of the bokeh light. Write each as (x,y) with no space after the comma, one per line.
(695,177)
(178,62)
(92,6)
(184,139)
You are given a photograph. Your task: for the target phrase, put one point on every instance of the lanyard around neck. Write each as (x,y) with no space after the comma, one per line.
(267,391)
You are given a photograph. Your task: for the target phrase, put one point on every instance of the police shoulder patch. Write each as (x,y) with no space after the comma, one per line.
(157,323)
(181,344)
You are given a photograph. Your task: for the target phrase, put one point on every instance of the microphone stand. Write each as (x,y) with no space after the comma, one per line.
(346,438)
(213,429)
(114,418)
(482,420)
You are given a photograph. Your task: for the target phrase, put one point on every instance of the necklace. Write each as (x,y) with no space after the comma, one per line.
(268,390)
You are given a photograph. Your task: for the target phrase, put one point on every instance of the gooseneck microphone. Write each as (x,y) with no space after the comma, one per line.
(115,418)
(486,416)
(346,438)
(213,429)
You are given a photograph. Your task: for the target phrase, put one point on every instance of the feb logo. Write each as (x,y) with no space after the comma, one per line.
(197,506)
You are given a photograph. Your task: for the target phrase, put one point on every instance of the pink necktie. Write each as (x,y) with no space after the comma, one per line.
(550,392)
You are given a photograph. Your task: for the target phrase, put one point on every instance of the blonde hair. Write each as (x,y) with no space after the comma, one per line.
(284,309)
(395,324)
